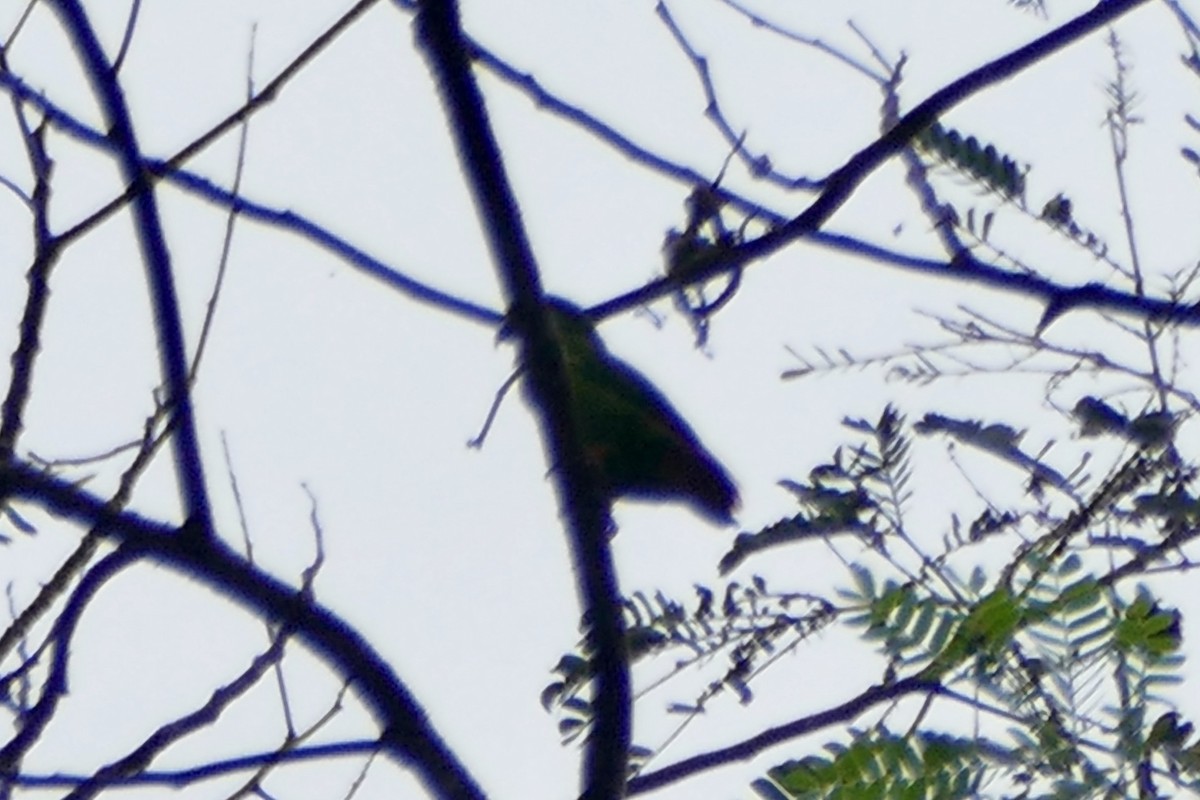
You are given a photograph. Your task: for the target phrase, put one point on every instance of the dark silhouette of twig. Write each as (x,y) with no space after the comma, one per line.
(127,38)
(215,769)
(230,220)
(759,166)
(33,723)
(168,734)
(759,21)
(46,254)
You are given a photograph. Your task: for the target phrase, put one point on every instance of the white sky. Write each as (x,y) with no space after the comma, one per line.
(452,561)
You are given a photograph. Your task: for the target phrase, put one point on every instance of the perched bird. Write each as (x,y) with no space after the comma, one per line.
(639,445)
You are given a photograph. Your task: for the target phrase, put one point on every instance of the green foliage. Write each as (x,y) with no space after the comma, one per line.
(998,174)
(1146,430)
(1023,624)
(748,627)
(983,163)
(1059,214)
(1147,630)
(998,439)
(1044,655)
(884,765)
(861,491)
(1076,669)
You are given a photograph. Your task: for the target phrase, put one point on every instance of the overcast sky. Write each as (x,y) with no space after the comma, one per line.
(324,379)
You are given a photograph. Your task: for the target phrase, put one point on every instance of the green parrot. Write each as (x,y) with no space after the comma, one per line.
(638,444)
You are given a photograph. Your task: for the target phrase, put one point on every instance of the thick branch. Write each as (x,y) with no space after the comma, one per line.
(407,733)
(172,350)
(585,507)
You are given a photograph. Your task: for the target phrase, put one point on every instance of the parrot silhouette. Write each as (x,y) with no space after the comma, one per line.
(638,444)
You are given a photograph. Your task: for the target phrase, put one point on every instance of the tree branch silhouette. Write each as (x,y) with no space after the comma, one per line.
(842,182)
(584,505)
(748,748)
(407,734)
(165,169)
(172,350)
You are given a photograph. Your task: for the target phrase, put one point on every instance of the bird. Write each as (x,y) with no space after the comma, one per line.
(638,445)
